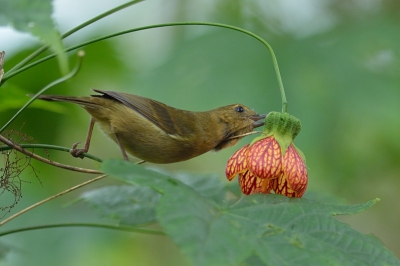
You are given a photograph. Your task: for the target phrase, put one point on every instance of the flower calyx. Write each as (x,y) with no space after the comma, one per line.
(283,126)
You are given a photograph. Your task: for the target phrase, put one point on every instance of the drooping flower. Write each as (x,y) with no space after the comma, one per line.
(271,161)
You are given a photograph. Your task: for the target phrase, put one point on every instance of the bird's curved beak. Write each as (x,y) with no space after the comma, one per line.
(258,120)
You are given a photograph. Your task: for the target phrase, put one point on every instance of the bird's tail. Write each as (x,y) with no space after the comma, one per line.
(83,101)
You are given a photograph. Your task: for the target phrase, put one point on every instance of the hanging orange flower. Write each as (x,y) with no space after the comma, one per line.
(272,161)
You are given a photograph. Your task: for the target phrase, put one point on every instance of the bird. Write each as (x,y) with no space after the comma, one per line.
(157,133)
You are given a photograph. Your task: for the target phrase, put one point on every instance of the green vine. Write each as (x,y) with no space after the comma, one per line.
(274,60)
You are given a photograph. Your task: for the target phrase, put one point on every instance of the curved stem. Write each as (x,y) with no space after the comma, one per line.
(50,198)
(44,160)
(81,54)
(104,226)
(50,147)
(274,60)
(68,33)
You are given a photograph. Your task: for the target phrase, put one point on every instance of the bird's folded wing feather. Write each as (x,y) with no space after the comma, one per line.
(154,111)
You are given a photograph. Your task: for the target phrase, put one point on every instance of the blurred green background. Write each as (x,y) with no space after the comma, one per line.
(340,64)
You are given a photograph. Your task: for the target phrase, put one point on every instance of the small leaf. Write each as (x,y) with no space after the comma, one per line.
(131,205)
(34,17)
(267,229)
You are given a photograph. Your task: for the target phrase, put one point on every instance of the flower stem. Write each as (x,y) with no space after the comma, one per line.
(190,23)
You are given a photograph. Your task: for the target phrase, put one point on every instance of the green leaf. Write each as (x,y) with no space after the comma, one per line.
(209,186)
(35,17)
(132,205)
(269,229)
(4,250)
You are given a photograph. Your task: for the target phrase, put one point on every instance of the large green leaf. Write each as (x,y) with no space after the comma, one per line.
(131,205)
(209,186)
(34,17)
(257,229)
(4,250)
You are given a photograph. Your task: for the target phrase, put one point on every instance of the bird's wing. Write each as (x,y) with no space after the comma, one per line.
(156,112)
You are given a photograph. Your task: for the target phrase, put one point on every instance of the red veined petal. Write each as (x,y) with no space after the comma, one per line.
(281,186)
(248,182)
(295,171)
(236,164)
(264,158)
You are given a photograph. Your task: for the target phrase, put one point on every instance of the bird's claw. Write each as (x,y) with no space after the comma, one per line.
(77,152)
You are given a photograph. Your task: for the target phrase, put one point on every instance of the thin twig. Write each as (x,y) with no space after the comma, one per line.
(104,226)
(1,64)
(50,147)
(50,198)
(44,160)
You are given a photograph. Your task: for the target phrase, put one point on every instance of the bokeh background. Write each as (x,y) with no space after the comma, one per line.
(340,63)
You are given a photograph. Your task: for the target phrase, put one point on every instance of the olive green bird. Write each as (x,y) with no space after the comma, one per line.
(158,133)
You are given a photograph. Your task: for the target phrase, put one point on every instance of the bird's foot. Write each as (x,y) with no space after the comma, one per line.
(77,152)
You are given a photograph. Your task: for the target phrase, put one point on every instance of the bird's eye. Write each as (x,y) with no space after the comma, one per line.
(239,109)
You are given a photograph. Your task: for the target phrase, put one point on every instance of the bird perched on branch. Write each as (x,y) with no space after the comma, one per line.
(158,133)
